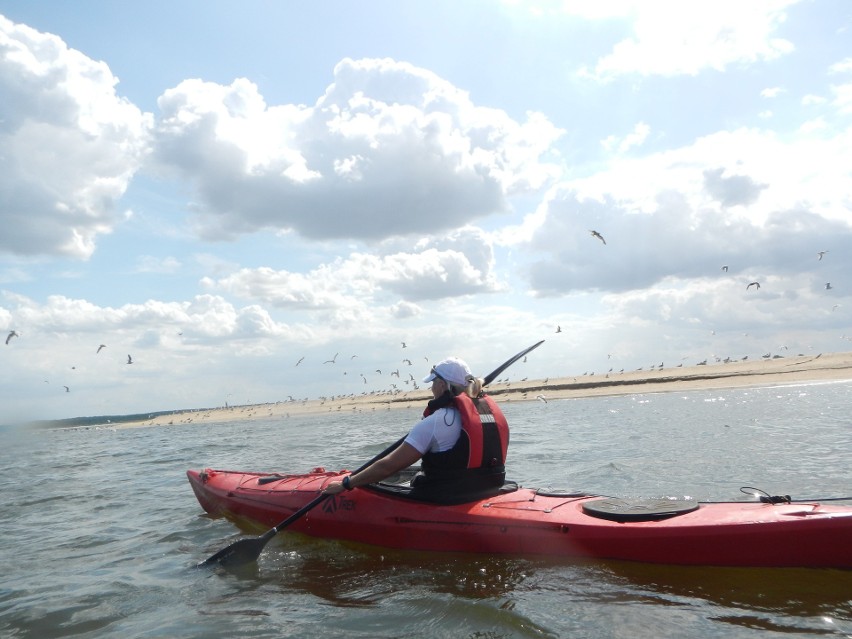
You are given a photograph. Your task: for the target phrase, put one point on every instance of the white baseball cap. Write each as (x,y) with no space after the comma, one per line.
(452,369)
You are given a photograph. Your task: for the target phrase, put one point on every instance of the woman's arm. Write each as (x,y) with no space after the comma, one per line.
(402,457)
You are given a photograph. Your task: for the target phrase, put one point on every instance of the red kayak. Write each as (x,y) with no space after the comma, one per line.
(525,521)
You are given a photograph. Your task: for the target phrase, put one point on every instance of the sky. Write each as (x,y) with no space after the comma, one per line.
(273,201)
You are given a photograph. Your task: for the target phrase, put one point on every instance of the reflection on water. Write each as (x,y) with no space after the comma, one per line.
(784,598)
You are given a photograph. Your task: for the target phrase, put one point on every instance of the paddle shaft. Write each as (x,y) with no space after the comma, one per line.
(322,497)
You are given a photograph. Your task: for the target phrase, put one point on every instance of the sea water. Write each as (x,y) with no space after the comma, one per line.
(100,531)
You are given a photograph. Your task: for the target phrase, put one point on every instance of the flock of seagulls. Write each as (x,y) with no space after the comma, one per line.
(392,389)
(820,255)
(725,267)
(67,388)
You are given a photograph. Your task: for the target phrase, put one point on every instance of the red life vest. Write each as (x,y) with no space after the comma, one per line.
(484,440)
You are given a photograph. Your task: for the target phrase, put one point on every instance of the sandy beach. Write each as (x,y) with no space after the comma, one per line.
(719,375)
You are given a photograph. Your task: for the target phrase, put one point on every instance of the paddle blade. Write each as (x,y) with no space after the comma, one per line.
(238,553)
(493,374)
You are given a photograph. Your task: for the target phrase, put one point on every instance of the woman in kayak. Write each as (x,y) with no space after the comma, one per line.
(461,440)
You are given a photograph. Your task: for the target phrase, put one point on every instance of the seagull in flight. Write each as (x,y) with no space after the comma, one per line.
(757,284)
(332,360)
(821,253)
(597,235)
(558,329)
(828,286)
(725,268)
(129,359)
(10,336)
(67,390)
(99,348)
(300,360)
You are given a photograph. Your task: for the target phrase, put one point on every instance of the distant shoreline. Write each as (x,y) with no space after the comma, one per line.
(720,375)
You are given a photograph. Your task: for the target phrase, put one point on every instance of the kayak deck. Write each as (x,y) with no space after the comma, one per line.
(526,521)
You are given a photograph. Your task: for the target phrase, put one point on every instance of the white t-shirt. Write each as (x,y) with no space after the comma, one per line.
(437,432)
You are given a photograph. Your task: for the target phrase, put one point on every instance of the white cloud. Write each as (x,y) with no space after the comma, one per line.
(842,98)
(844,66)
(69,144)
(634,139)
(809,171)
(684,38)
(390,149)
(813,126)
(740,198)
(201,319)
(458,264)
(163,265)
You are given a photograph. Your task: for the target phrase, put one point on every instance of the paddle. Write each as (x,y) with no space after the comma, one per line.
(493,374)
(245,551)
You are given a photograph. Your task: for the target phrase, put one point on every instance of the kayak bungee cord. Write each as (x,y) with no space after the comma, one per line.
(766,498)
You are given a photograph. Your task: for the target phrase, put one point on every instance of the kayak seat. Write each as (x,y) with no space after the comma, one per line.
(399,485)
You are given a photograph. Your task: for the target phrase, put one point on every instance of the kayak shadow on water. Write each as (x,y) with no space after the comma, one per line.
(478,591)
(763,598)
(389,582)
(349,574)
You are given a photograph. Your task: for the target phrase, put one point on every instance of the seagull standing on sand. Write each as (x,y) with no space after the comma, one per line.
(10,336)
(757,284)
(597,235)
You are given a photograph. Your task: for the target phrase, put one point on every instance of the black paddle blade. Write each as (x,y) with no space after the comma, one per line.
(493,374)
(238,553)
